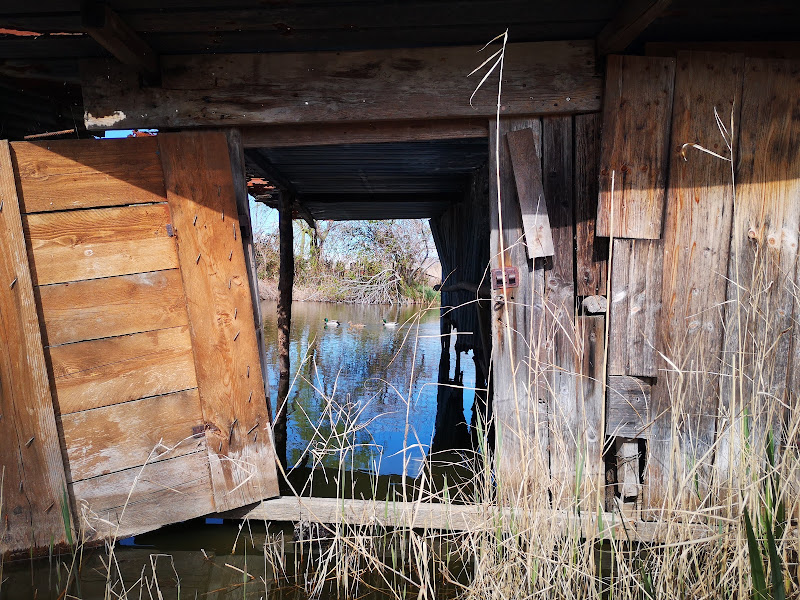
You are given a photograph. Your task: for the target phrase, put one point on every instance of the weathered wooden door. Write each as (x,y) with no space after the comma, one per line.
(129,343)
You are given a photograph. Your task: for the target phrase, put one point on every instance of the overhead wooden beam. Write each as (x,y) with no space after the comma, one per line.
(342,87)
(633,18)
(115,35)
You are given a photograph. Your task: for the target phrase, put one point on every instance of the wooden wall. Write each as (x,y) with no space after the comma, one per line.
(147,366)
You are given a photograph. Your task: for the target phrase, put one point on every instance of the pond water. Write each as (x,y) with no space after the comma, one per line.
(364,407)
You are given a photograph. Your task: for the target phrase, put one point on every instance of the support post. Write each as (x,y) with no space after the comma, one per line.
(285,285)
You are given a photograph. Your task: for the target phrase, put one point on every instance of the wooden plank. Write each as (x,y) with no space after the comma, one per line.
(591,259)
(628,413)
(30,455)
(749,49)
(697,229)
(109,30)
(65,174)
(562,336)
(325,87)
(628,24)
(761,294)
(99,373)
(103,242)
(634,317)
(518,331)
(122,436)
(141,499)
(628,469)
(636,116)
(527,165)
(325,134)
(590,409)
(200,190)
(99,308)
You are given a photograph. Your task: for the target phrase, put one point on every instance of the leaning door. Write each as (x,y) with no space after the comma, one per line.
(150,345)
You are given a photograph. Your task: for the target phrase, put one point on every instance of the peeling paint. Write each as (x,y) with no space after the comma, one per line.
(107,121)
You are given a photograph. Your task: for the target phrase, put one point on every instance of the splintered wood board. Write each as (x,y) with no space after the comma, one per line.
(117,437)
(636,124)
(527,165)
(144,498)
(200,191)
(628,414)
(68,174)
(697,230)
(99,373)
(518,328)
(30,454)
(99,308)
(100,242)
(762,312)
(591,396)
(591,263)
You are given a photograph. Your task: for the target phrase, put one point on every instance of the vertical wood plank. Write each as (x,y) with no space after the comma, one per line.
(618,308)
(591,264)
(590,399)
(761,294)
(562,337)
(29,449)
(637,108)
(527,166)
(697,227)
(198,177)
(520,406)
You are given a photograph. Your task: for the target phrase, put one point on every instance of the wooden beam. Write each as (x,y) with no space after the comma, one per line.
(337,87)
(115,35)
(285,136)
(632,19)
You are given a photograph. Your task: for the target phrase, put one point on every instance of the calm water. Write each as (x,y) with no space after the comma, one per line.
(375,387)
(360,396)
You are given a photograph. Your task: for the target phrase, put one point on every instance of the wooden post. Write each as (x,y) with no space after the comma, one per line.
(285,285)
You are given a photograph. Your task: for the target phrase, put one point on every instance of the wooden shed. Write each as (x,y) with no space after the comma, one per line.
(619,223)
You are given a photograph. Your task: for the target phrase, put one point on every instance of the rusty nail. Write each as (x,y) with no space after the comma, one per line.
(47,510)
(234,232)
(13,283)
(230,281)
(220,447)
(250,397)
(195,221)
(255,436)
(236,336)
(251,429)
(248,371)
(235,312)
(29,442)
(230,256)
(1,205)
(197,260)
(223,213)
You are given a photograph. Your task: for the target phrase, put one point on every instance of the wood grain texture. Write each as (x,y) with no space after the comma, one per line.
(636,115)
(697,228)
(634,319)
(66,174)
(591,258)
(99,308)
(199,184)
(102,242)
(122,436)
(527,165)
(633,17)
(761,294)
(518,329)
(628,413)
(99,373)
(396,84)
(563,354)
(30,454)
(161,493)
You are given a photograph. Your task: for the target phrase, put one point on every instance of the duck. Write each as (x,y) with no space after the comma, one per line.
(389,324)
(355,325)
(332,322)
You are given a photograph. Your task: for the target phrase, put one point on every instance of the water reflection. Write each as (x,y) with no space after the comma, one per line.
(366,398)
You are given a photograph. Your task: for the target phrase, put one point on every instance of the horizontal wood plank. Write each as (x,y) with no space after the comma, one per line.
(99,308)
(113,438)
(397,84)
(66,174)
(142,499)
(636,124)
(628,410)
(103,242)
(99,373)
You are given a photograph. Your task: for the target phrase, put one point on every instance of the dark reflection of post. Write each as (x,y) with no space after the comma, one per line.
(285,284)
(450,430)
